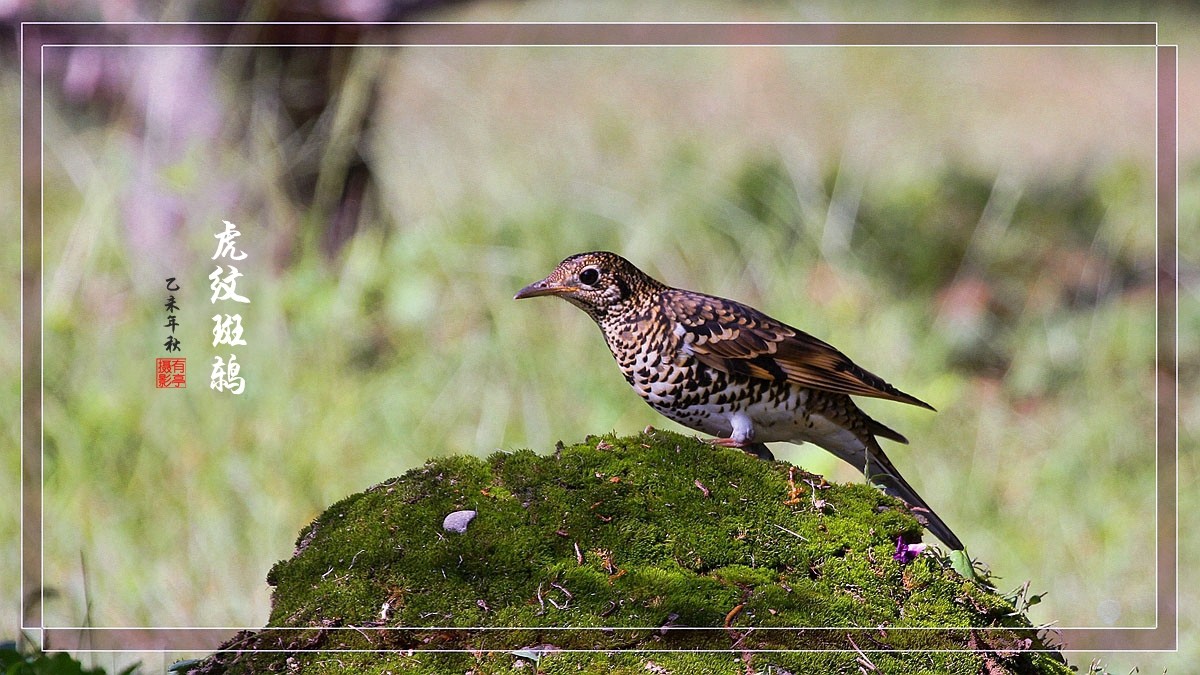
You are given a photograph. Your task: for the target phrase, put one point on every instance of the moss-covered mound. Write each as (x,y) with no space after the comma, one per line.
(650,542)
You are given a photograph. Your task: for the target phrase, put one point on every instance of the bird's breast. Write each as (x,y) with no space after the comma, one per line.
(657,375)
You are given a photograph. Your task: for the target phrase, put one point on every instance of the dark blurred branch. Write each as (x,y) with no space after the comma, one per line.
(171,103)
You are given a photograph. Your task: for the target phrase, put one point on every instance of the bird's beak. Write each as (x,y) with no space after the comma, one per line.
(543,287)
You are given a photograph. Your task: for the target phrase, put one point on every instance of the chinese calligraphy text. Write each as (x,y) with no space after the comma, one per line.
(227,328)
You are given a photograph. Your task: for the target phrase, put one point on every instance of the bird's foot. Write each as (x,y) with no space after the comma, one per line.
(757,449)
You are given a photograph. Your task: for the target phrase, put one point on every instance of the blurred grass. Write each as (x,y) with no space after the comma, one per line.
(956,221)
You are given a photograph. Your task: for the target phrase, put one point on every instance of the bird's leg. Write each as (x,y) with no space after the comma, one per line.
(742,438)
(759,450)
(741,433)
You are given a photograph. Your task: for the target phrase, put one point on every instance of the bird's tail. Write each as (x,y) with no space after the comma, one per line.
(878,469)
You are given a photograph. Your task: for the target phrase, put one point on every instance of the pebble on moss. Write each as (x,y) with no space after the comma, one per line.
(457,522)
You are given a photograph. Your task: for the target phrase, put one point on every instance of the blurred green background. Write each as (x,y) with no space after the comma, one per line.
(976,225)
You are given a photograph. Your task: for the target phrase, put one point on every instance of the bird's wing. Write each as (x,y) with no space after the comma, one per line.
(734,338)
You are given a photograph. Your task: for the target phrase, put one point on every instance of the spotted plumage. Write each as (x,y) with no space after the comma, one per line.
(726,369)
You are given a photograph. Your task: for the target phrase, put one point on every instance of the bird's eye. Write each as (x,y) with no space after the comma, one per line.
(589,276)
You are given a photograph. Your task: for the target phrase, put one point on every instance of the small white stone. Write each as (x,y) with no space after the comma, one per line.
(458,521)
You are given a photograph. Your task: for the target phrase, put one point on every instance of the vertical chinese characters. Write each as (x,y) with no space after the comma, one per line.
(171,373)
(227,328)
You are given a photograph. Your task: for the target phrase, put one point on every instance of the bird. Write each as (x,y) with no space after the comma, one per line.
(728,370)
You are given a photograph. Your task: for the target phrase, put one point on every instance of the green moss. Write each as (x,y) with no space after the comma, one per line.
(625,543)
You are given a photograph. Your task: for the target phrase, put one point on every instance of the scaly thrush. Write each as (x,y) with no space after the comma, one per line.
(726,369)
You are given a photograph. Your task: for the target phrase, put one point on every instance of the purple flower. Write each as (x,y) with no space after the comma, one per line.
(906,553)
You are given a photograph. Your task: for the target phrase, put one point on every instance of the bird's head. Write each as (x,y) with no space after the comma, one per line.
(600,283)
